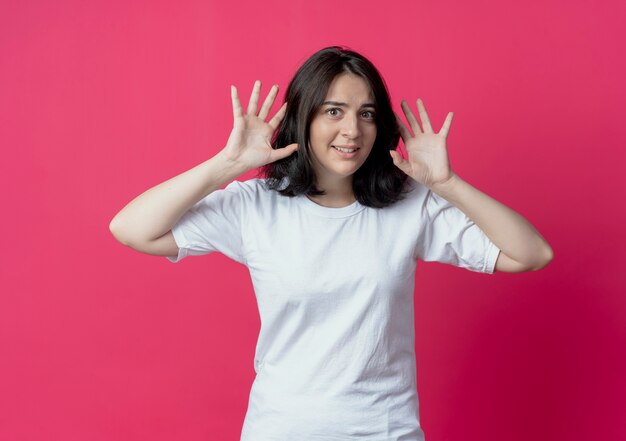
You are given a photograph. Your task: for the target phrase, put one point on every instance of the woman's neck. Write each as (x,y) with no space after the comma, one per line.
(339,193)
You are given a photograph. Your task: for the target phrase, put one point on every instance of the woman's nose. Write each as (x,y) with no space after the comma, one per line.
(350,126)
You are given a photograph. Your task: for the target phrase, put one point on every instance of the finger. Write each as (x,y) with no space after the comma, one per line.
(283,152)
(269,100)
(446,125)
(424,117)
(411,118)
(275,121)
(399,161)
(404,131)
(254,98)
(237,110)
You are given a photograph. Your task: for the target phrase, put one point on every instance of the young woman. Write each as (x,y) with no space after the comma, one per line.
(331,236)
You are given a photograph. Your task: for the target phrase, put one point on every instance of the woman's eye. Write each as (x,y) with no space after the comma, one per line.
(370,115)
(333,109)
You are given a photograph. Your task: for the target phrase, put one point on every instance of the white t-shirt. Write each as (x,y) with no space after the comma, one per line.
(335,357)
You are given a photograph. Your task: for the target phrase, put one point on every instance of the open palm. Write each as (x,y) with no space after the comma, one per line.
(249,143)
(427,161)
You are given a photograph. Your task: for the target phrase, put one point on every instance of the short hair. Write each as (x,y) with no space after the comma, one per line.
(378,182)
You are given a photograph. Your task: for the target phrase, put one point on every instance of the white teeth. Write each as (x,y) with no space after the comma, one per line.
(345,150)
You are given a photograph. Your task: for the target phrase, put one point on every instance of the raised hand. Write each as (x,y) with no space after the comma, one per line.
(249,143)
(428,160)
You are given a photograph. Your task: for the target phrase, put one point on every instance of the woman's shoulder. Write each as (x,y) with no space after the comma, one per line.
(249,185)
(413,192)
(254,189)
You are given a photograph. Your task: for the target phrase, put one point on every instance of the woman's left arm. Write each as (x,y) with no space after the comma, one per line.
(521,246)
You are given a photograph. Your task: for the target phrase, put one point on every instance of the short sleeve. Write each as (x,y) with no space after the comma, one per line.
(213,224)
(449,236)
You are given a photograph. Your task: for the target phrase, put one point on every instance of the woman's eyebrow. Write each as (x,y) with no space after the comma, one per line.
(340,104)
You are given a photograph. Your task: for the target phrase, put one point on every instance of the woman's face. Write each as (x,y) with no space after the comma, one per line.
(346,120)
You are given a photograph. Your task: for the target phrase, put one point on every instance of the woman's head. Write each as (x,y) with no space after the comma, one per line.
(361,116)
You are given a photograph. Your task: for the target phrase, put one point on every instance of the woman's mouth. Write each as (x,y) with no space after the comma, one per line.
(346,152)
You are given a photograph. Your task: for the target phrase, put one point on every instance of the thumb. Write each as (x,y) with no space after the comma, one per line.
(284,152)
(399,161)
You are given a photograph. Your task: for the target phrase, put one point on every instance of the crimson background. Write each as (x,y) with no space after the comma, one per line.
(100,101)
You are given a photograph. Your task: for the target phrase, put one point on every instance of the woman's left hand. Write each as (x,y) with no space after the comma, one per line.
(428,160)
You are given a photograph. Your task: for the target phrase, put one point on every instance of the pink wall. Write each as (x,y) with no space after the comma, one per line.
(101,100)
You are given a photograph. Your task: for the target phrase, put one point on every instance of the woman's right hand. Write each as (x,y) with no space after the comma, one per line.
(249,143)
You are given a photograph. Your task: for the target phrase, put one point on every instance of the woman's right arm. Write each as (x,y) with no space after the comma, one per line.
(145,223)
